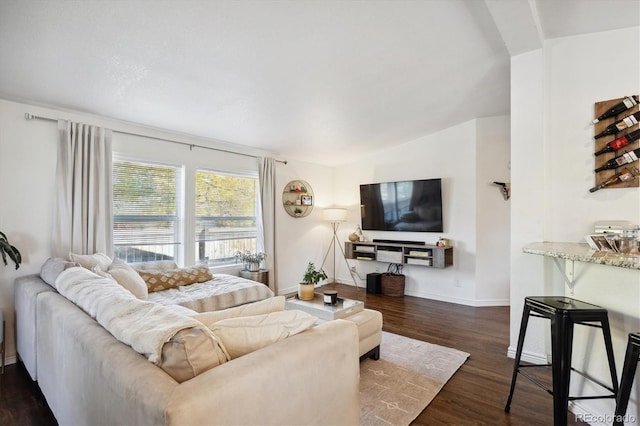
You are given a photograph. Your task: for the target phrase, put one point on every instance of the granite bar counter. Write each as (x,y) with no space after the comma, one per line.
(581,252)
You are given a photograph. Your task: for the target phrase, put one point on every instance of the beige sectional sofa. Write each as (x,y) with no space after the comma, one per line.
(89,377)
(223,292)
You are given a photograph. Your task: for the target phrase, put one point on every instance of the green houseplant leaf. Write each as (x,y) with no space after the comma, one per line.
(313,276)
(7,250)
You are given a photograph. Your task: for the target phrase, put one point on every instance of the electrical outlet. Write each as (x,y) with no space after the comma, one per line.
(457,283)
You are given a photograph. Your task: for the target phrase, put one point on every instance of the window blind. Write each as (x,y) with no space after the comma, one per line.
(145,210)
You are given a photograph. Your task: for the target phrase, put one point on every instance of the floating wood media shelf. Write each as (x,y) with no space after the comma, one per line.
(599,108)
(405,254)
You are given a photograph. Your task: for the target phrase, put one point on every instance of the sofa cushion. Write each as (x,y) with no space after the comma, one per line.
(190,352)
(243,335)
(128,278)
(161,280)
(89,261)
(272,304)
(52,267)
(224,291)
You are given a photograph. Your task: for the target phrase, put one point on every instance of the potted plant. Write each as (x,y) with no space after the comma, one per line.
(250,260)
(311,277)
(7,249)
(297,211)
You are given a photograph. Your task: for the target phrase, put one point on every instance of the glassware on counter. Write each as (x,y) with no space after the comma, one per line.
(628,242)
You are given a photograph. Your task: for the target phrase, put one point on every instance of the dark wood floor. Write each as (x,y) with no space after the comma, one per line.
(475,395)
(20,400)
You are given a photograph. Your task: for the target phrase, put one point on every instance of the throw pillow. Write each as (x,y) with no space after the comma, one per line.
(190,352)
(272,304)
(128,278)
(243,335)
(89,261)
(53,267)
(161,280)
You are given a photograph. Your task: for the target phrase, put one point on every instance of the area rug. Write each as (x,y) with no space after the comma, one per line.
(409,374)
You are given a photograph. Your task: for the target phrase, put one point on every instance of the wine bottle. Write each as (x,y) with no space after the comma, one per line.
(626,103)
(619,143)
(623,176)
(627,157)
(619,126)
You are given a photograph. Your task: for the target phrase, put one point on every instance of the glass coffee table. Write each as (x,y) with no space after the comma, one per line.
(317,307)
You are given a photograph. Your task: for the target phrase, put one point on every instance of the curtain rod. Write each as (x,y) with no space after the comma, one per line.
(29,116)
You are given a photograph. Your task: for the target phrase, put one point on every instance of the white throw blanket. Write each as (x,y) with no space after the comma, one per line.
(145,326)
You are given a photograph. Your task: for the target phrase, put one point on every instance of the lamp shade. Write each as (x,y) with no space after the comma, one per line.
(334,215)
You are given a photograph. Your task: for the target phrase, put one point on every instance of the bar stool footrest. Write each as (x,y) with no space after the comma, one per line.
(583,374)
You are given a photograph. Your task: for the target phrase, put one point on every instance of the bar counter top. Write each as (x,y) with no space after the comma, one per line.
(583,253)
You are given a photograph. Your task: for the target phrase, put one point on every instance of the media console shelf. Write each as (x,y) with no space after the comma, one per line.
(405,254)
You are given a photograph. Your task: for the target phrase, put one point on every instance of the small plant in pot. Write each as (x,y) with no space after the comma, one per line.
(7,249)
(311,277)
(251,261)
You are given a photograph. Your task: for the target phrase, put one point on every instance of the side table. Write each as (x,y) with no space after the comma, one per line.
(261,276)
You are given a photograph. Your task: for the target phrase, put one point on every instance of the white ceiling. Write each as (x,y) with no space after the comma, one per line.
(316,80)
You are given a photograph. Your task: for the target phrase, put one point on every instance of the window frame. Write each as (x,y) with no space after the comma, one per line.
(214,171)
(185,254)
(179,197)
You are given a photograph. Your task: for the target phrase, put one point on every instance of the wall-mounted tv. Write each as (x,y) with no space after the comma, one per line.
(409,206)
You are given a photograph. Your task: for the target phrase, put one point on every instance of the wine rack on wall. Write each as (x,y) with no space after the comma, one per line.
(600,143)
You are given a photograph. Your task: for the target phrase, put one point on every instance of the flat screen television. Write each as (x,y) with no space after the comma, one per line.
(409,206)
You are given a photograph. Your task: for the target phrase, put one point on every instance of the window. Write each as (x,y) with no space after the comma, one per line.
(225,210)
(146,206)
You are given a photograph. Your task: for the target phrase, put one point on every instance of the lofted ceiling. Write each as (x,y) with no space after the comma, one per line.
(322,81)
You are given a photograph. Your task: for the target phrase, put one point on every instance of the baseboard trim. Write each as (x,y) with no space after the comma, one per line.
(532,357)
(581,412)
(478,303)
(457,300)
(460,301)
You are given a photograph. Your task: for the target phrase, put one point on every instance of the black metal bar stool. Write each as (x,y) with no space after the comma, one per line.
(563,312)
(631,359)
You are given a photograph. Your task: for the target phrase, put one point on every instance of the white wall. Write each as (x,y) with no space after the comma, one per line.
(528,207)
(467,176)
(304,239)
(553,93)
(27,172)
(493,155)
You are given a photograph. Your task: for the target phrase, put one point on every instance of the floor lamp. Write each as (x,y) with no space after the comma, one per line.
(335,216)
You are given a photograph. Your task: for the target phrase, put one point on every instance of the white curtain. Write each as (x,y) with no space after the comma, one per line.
(266,218)
(83,220)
